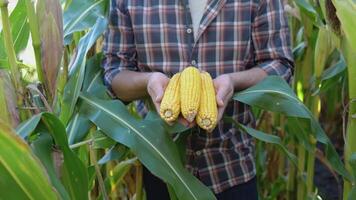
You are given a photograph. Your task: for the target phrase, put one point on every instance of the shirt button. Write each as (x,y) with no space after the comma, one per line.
(189,30)
(194,62)
(198,153)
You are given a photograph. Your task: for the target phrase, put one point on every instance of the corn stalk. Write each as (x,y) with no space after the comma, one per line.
(350,146)
(9,47)
(322,50)
(36,41)
(304,77)
(139,194)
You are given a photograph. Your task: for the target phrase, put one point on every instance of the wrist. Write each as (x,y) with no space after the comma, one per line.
(234,80)
(149,76)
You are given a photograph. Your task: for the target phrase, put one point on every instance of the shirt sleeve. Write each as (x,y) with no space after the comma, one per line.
(271,39)
(119,45)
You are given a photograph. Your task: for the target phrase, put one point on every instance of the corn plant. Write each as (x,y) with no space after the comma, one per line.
(76,142)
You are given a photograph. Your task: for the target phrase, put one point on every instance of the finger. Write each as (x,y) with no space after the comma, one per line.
(170,123)
(221,95)
(192,124)
(221,112)
(156,92)
(157,106)
(183,121)
(159,95)
(219,101)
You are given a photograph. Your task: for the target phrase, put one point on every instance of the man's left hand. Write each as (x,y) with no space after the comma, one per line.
(224,89)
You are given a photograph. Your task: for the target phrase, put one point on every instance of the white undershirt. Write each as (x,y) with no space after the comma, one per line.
(197,11)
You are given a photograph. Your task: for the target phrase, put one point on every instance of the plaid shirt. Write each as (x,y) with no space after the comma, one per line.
(234,35)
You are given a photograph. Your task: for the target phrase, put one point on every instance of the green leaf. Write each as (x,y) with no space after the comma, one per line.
(117,152)
(73,174)
(22,176)
(331,76)
(78,128)
(306,8)
(101,141)
(81,15)
(43,148)
(148,140)
(118,173)
(172,195)
(346,12)
(300,132)
(75,82)
(93,78)
(352,195)
(175,128)
(299,50)
(352,162)
(93,83)
(272,139)
(274,94)
(28,126)
(19,29)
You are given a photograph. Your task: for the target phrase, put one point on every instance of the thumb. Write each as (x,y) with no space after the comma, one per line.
(159,95)
(220,96)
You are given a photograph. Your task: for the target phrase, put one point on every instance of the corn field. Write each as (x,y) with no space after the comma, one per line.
(62,136)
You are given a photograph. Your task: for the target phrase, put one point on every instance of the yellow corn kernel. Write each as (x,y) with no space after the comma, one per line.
(170,104)
(208,109)
(190,90)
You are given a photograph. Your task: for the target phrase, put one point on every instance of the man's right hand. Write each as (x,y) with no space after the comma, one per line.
(156,85)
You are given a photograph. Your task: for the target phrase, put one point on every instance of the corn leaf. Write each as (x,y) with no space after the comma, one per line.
(74,176)
(274,94)
(352,195)
(149,141)
(28,126)
(118,174)
(346,12)
(272,139)
(101,141)
(77,70)
(306,8)
(117,152)
(331,77)
(19,29)
(81,15)
(43,148)
(93,83)
(22,176)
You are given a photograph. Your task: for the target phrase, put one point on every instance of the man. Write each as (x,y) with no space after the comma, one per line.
(239,42)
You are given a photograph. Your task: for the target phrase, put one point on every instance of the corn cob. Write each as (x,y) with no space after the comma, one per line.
(208,110)
(170,105)
(190,86)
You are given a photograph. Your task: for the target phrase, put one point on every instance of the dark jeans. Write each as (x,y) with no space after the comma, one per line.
(156,189)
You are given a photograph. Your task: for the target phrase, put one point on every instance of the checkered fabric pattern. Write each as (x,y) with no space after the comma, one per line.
(234,35)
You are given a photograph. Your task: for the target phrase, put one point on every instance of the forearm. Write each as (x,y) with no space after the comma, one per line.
(245,79)
(130,85)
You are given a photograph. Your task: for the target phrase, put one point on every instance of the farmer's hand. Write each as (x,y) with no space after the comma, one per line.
(224,89)
(156,86)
